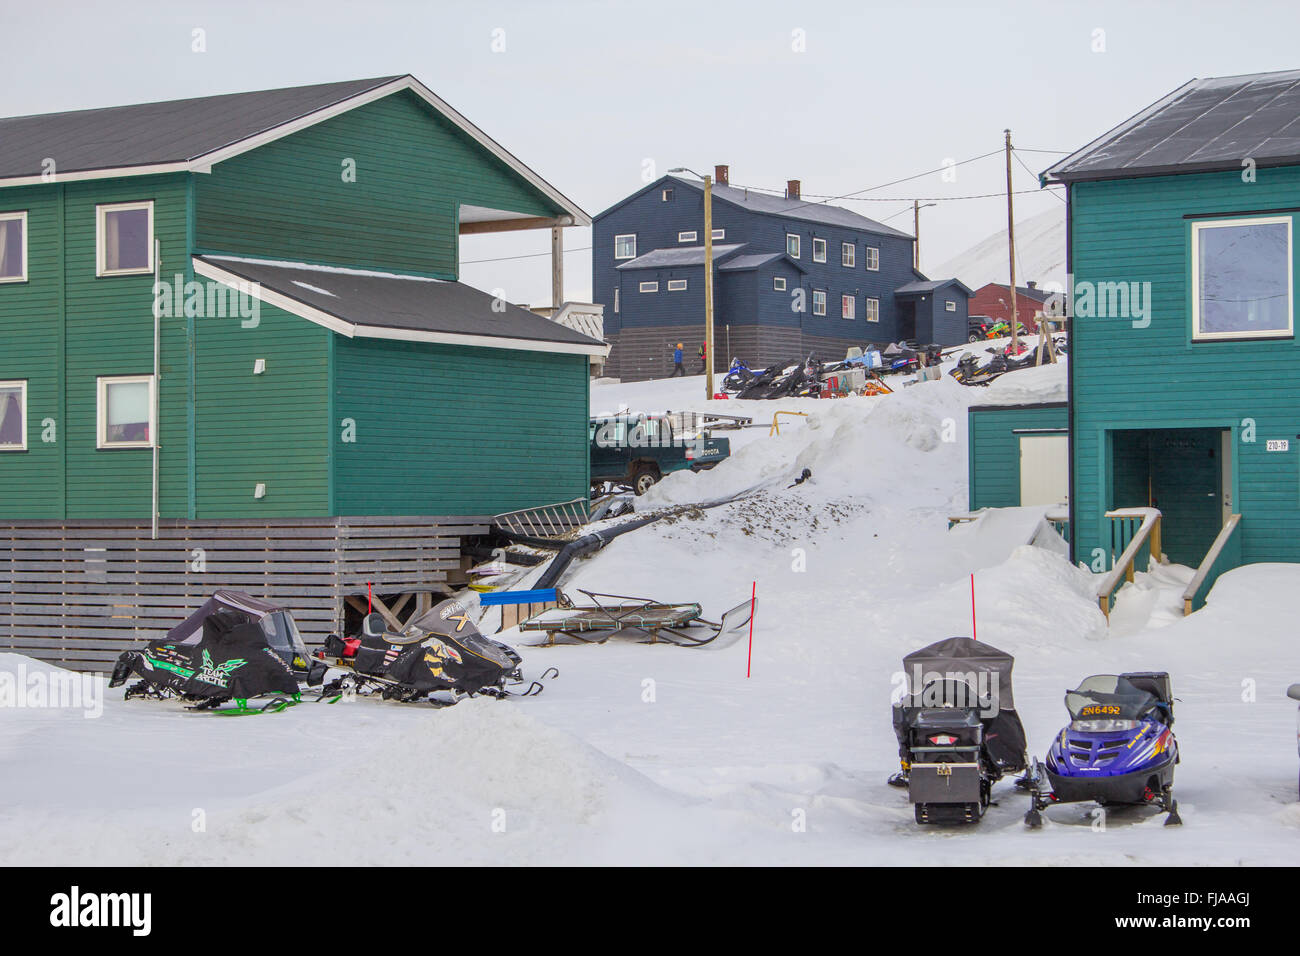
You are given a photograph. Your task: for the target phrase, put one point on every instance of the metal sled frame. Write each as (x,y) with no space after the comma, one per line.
(666,623)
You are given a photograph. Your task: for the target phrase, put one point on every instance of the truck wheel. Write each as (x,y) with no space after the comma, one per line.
(973,337)
(643,478)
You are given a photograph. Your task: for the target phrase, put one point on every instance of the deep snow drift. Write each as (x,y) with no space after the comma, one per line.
(659,754)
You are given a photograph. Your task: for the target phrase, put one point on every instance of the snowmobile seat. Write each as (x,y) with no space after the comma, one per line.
(1158,685)
(374,625)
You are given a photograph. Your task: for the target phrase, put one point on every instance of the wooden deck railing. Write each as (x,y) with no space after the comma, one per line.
(1137,527)
(1211,556)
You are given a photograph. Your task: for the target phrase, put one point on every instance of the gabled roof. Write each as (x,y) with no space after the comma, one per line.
(768,204)
(679,256)
(364,304)
(931,285)
(192,135)
(1205,125)
(743,263)
(1039,295)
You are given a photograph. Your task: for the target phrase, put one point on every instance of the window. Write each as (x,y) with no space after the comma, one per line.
(792,245)
(126,407)
(13,415)
(819,302)
(871,310)
(846,306)
(949,305)
(667,195)
(124,239)
(778,283)
(719,234)
(848,254)
(615,301)
(676,285)
(13,246)
(819,250)
(686,236)
(649,286)
(871,257)
(1241,279)
(625,246)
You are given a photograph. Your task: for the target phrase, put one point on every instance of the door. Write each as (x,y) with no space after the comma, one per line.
(1044,469)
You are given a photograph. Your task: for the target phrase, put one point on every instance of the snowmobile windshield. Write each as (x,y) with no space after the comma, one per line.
(1108,697)
(282,633)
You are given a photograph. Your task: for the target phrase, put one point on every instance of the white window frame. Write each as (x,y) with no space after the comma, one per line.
(822,309)
(648,286)
(871,309)
(795,237)
(101,214)
(666,195)
(778,283)
(719,234)
(949,305)
(688,236)
(871,258)
(625,235)
(816,258)
(848,255)
(19,216)
(676,285)
(1197,227)
(19,383)
(101,411)
(848,303)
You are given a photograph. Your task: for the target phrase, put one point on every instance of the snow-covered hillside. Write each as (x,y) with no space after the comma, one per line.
(1040,254)
(659,754)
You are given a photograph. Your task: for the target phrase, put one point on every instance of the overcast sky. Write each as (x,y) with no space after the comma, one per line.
(588,93)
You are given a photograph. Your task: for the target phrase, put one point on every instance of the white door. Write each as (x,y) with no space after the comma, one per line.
(1044,469)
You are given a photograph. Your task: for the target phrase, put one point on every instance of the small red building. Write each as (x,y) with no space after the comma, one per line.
(994,301)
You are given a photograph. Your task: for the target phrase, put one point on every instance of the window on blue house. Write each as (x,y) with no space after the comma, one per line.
(846,306)
(676,285)
(847,253)
(819,302)
(819,250)
(792,245)
(719,234)
(871,256)
(871,310)
(13,415)
(13,246)
(1241,279)
(125,239)
(778,283)
(649,287)
(686,236)
(667,195)
(625,246)
(949,305)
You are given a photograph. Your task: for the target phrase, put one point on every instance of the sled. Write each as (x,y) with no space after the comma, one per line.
(610,614)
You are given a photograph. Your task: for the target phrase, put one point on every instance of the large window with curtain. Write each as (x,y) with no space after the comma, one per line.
(126,406)
(125,238)
(13,415)
(1241,278)
(13,246)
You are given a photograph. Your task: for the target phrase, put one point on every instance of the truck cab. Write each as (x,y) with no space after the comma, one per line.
(634,449)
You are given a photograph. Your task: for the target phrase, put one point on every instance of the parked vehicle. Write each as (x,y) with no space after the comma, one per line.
(981,327)
(957,728)
(1118,749)
(635,451)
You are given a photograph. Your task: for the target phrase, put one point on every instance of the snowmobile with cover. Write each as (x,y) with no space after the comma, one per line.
(233,648)
(440,652)
(957,728)
(1118,749)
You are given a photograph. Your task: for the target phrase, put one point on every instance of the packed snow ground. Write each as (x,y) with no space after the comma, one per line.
(658,754)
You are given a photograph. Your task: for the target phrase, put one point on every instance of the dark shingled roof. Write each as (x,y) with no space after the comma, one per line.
(679,256)
(150,134)
(930,285)
(744,263)
(1203,126)
(400,302)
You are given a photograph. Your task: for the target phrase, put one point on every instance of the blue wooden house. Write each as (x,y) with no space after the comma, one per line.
(792,277)
(1184,366)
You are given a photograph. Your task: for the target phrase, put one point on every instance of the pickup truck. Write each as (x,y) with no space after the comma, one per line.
(635,450)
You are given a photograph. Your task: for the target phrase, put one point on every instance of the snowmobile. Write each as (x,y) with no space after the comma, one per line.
(233,648)
(738,376)
(440,652)
(957,728)
(1118,749)
(762,383)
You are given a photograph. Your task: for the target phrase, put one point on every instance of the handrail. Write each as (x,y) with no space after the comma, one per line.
(1211,556)
(776,427)
(1150,529)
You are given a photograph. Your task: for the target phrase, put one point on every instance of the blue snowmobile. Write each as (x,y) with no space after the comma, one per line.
(1118,749)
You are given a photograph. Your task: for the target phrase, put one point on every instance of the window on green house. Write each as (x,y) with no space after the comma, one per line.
(13,416)
(13,246)
(125,411)
(1241,278)
(124,238)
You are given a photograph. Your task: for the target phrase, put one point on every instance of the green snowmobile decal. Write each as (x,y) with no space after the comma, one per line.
(218,675)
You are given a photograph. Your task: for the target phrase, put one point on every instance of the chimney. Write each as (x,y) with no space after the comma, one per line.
(1032,284)
(792,189)
(722,175)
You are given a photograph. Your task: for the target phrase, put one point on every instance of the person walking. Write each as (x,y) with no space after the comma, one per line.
(677,362)
(704,356)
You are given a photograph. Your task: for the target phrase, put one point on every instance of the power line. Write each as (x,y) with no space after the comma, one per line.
(1014,152)
(530,255)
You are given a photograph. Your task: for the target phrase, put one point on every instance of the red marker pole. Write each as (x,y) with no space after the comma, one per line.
(370,604)
(753,603)
(972,607)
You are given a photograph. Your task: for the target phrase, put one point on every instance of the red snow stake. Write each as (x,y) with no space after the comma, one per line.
(972,607)
(753,603)
(370,604)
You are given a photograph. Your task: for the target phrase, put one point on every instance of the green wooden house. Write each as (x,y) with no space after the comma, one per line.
(1017,455)
(1184,365)
(234,353)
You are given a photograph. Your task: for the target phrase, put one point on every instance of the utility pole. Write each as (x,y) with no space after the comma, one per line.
(708,286)
(1011,251)
(916,231)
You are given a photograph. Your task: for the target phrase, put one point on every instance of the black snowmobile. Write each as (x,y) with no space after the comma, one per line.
(233,648)
(957,728)
(440,652)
